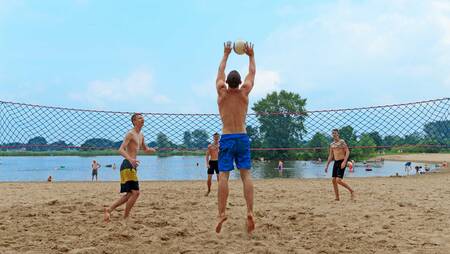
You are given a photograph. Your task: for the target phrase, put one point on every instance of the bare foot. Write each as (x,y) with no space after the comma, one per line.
(107,215)
(352,195)
(250,223)
(207,193)
(222,219)
(336,199)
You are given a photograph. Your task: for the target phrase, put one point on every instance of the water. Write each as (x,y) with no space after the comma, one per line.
(72,168)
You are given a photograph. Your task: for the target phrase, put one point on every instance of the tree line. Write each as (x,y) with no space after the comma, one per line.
(197,139)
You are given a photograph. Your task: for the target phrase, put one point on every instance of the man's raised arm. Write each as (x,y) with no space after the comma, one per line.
(220,81)
(250,78)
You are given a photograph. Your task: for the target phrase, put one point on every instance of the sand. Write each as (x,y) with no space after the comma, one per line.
(390,215)
(419,157)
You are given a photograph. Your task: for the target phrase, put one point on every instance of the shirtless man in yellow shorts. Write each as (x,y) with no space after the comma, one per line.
(129,184)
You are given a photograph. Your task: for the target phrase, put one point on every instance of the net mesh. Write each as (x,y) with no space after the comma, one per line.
(41,128)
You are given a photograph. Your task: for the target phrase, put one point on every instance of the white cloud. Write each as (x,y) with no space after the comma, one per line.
(266,81)
(384,49)
(135,90)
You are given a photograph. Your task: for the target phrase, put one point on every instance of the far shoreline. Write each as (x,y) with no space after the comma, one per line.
(417,157)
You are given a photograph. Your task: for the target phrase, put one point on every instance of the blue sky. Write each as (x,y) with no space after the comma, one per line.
(162,56)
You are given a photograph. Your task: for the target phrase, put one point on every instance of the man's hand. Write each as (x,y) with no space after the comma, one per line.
(326,169)
(134,163)
(343,164)
(248,48)
(227,48)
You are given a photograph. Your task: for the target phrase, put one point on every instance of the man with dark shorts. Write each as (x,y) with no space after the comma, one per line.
(212,155)
(129,184)
(234,143)
(339,152)
(95,166)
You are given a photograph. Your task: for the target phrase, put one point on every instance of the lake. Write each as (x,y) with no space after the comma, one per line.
(73,168)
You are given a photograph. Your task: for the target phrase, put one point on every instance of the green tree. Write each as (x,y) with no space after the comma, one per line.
(117,144)
(58,145)
(412,139)
(392,140)
(200,139)
(365,141)
(278,126)
(187,139)
(12,146)
(348,134)
(438,131)
(430,149)
(97,143)
(255,138)
(376,138)
(37,144)
(321,142)
(163,141)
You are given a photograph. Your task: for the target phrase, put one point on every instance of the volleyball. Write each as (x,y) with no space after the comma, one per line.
(239,47)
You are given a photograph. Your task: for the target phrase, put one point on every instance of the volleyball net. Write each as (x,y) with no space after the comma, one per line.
(44,128)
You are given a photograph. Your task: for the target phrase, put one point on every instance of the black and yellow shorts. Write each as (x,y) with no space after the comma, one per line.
(128,177)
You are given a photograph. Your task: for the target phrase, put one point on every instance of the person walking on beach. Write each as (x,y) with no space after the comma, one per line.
(95,166)
(212,163)
(234,143)
(134,140)
(338,152)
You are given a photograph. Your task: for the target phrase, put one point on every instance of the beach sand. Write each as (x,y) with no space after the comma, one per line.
(419,157)
(390,215)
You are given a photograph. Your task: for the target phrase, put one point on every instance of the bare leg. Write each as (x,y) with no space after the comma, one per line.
(248,195)
(116,204)
(339,181)
(208,183)
(335,187)
(130,203)
(222,197)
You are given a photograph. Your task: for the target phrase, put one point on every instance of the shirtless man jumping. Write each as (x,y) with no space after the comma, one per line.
(339,152)
(134,140)
(234,143)
(212,155)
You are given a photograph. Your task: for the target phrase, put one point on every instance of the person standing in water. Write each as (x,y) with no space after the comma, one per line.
(95,166)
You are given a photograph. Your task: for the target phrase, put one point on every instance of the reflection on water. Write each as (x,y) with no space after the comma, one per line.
(71,168)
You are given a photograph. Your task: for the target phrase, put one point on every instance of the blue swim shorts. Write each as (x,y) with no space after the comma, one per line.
(234,148)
